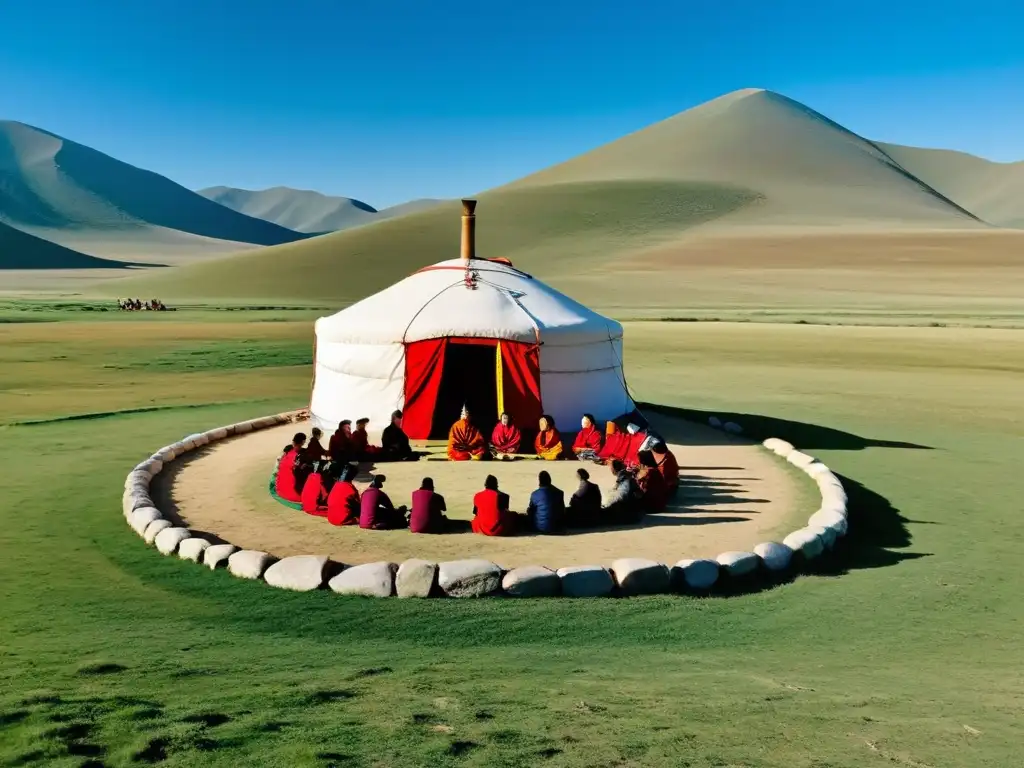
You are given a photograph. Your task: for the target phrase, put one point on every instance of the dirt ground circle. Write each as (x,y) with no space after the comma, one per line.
(733,495)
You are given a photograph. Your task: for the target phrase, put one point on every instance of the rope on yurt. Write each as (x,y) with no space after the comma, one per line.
(425,304)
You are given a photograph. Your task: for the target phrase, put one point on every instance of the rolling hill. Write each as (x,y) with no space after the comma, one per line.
(748,162)
(20,250)
(72,195)
(297,209)
(993,191)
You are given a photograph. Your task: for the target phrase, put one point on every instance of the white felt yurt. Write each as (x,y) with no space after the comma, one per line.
(467,331)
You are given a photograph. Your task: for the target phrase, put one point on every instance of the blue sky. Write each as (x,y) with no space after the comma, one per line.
(388,100)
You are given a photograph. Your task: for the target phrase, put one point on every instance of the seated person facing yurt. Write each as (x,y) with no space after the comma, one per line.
(340,444)
(548,442)
(284,481)
(394,443)
(360,441)
(428,508)
(313,496)
(623,506)
(506,438)
(546,511)
(652,484)
(465,441)
(343,504)
(588,441)
(491,515)
(376,511)
(585,503)
(314,450)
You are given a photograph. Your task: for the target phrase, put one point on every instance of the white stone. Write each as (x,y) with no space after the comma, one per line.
(698,575)
(639,576)
(179,449)
(142,517)
(738,563)
(168,539)
(775,556)
(192,549)
(154,528)
(166,454)
(216,554)
(828,536)
(732,428)
(828,519)
(468,578)
(800,459)
(531,581)
(152,466)
(189,444)
(229,430)
(136,478)
(243,427)
(772,443)
(217,434)
(715,422)
(368,580)
(301,573)
(249,563)
(782,448)
(817,469)
(415,578)
(805,541)
(140,499)
(586,581)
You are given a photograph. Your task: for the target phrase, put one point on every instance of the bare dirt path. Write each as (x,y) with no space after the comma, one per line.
(733,495)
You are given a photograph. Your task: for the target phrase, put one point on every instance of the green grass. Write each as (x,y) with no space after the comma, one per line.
(904,650)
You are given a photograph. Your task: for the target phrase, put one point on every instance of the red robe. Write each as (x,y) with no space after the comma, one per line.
(506,439)
(360,442)
(343,504)
(669,468)
(587,439)
(654,489)
(284,484)
(465,441)
(548,444)
(313,501)
(314,451)
(491,518)
(616,446)
(633,448)
(340,446)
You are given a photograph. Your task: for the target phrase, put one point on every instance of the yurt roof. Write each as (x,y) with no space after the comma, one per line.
(435,302)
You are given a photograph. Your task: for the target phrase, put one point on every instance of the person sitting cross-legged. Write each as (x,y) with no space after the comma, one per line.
(284,481)
(585,503)
(588,441)
(340,444)
(667,465)
(394,443)
(547,506)
(360,442)
(548,442)
(465,442)
(376,511)
(428,510)
(314,450)
(343,507)
(652,483)
(314,498)
(491,515)
(505,438)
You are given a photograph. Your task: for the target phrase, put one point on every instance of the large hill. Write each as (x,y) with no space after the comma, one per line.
(70,194)
(993,191)
(744,162)
(20,250)
(299,209)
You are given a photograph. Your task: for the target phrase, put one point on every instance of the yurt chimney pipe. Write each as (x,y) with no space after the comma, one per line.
(468,250)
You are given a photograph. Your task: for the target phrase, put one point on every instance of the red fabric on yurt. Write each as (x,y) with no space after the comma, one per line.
(520,365)
(424,367)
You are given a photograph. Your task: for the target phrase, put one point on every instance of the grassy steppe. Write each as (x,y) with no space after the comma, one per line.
(905,652)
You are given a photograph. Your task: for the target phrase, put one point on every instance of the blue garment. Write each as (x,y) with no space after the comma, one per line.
(547,510)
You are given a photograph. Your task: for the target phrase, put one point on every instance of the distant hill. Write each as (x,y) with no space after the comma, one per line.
(993,191)
(20,250)
(744,162)
(297,209)
(65,192)
(412,206)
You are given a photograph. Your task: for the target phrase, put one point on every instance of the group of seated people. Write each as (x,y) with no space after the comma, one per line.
(325,487)
(466,441)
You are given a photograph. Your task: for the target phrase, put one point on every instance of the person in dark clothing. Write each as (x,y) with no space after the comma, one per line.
(340,445)
(652,483)
(376,510)
(623,505)
(314,449)
(547,506)
(395,443)
(585,503)
(428,510)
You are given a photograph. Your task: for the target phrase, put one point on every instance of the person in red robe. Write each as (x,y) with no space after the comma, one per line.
(343,501)
(616,444)
(360,442)
(284,481)
(505,438)
(588,442)
(635,439)
(548,442)
(313,496)
(491,515)
(340,445)
(465,441)
(652,484)
(667,465)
